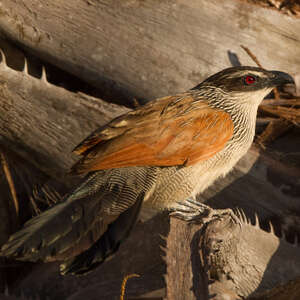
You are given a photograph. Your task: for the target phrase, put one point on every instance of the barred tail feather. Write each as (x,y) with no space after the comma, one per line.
(104,197)
(53,231)
(106,245)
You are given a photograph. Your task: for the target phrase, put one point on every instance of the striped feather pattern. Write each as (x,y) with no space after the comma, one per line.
(98,201)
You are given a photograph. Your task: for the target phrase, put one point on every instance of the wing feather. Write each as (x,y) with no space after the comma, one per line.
(170,131)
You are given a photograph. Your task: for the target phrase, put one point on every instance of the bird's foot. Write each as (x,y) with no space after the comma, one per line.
(194,211)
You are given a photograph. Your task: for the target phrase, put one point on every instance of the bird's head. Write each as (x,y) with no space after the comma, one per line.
(246,84)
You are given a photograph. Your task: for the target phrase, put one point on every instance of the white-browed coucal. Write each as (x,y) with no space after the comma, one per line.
(162,153)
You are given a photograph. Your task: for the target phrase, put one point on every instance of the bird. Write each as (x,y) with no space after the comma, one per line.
(160,155)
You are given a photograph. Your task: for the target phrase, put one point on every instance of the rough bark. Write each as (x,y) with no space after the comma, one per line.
(43,122)
(227,257)
(186,277)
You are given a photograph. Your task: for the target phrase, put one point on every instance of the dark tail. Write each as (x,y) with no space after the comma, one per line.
(53,231)
(106,245)
(103,208)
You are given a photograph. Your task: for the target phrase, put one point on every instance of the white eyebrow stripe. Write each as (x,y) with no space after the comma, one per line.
(250,72)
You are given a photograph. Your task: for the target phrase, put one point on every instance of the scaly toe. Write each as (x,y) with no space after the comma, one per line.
(191,211)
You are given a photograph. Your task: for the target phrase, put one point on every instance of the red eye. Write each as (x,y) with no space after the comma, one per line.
(250,79)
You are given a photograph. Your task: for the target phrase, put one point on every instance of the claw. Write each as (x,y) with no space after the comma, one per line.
(184,207)
(185,217)
(191,210)
(196,205)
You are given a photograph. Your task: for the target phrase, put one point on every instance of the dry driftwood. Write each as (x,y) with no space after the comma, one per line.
(150,48)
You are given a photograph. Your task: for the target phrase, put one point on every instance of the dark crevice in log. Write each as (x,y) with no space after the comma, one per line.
(200,278)
(108,91)
(289,7)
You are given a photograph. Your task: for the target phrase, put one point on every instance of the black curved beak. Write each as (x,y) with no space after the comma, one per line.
(281,78)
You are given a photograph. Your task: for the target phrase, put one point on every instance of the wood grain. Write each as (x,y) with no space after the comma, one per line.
(43,122)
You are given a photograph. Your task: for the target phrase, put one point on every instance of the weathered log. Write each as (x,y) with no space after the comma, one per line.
(186,277)
(226,257)
(43,122)
(151,48)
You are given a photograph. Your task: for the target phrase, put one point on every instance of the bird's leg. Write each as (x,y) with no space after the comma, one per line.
(192,210)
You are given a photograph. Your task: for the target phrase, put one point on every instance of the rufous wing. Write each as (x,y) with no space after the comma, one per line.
(170,131)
